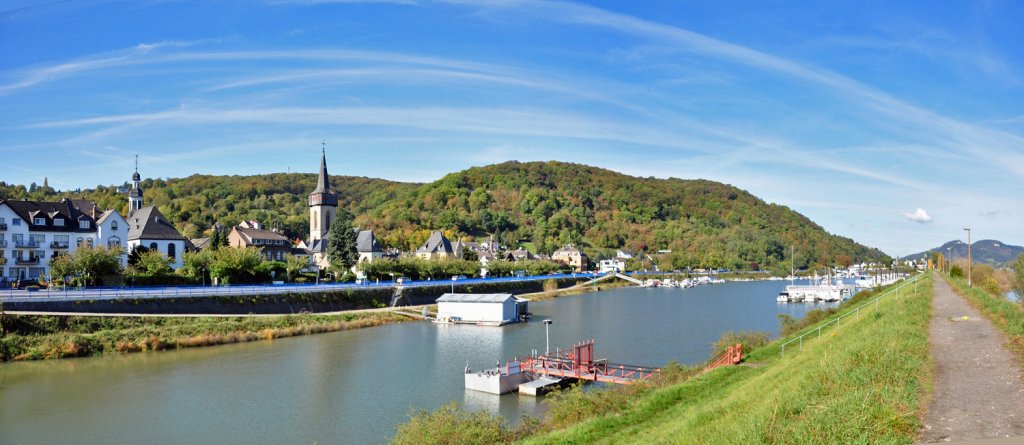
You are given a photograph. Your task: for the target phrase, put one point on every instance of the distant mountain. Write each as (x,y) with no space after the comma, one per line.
(539,205)
(985,251)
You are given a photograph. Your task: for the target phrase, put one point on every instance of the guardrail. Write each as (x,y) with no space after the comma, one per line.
(107,292)
(851,313)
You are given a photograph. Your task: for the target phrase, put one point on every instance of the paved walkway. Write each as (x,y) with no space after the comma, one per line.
(979,390)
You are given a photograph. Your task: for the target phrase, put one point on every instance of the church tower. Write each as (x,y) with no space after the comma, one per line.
(135,194)
(323,204)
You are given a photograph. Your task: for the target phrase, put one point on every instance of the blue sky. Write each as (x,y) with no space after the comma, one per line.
(893,123)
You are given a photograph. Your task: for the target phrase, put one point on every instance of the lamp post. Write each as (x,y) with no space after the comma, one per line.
(453,283)
(968,229)
(547,337)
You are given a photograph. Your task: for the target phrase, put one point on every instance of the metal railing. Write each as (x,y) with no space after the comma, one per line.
(117,292)
(59,245)
(851,313)
(3,226)
(26,261)
(24,243)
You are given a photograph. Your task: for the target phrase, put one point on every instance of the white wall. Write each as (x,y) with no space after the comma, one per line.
(488,312)
(161,246)
(105,232)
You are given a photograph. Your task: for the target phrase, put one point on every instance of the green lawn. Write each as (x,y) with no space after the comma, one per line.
(863,382)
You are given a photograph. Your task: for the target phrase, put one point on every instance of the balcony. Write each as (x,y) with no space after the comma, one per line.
(30,244)
(58,245)
(3,226)
(26,261)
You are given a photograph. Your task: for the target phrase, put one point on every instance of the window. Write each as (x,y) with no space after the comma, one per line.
(83,224)
(40,221)
(16,221)
(153,246)
(61,240)
(36,240)
(113,242)
(113,225)
(314,220)
(79,241)
(88,242)
(171,251)
(58,222)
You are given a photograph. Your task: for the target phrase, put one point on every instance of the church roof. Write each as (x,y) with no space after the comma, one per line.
(148,223)
(367,242)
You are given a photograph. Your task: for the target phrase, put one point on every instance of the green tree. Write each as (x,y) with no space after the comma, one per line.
(154,264)
(341,243)
(90,263)
(197,264)
(234,265)
(293,265)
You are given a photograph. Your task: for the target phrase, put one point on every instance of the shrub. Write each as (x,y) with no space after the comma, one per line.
(750,340)
(956,271)
(452,425)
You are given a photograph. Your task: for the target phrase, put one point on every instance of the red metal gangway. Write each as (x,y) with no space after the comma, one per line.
(580,364)
(730,356)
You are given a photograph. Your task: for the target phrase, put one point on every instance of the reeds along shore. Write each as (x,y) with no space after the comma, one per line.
(51,337)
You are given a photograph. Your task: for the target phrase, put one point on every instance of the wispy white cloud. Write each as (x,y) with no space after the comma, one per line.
(919,216)
(954,135)
(34,76)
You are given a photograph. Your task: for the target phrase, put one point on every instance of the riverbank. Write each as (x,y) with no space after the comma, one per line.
(43,337)
(39,337)
(864,381)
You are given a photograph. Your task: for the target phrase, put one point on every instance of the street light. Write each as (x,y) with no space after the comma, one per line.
(547,337)
(453,283)
(968,229)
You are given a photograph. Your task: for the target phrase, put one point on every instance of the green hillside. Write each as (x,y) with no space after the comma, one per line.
(546,204)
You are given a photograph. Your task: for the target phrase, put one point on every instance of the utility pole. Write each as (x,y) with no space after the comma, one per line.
(968,229)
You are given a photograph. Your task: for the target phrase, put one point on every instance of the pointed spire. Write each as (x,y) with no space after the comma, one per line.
(322,194)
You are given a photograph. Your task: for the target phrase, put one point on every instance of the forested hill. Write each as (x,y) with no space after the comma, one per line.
(539,204)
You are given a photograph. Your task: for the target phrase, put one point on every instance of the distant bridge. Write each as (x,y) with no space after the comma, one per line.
(629,278)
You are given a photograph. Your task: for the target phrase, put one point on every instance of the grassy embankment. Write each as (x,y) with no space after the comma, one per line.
(1008,316)
(33,337)
(863,382)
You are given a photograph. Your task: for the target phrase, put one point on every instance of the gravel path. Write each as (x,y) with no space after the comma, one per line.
(979,390)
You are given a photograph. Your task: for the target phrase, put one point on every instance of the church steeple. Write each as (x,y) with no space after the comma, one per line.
(135,194)
(322,194)
(323,204)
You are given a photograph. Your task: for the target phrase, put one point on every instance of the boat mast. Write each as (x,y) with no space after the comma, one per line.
(791,269)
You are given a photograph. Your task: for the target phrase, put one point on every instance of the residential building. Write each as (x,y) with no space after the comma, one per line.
(33,232)
(436,247)
(272,245)
(571,256)
(368,247)
(149,228)
(323,207)
(611,265)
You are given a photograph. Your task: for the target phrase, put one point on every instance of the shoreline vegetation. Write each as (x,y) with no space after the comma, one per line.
(865,381)
(44,337)
(41,337)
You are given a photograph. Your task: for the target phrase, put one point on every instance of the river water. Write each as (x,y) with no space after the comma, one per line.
(356,386)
